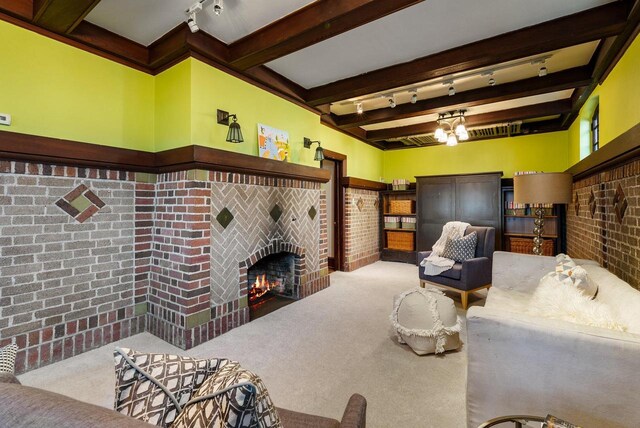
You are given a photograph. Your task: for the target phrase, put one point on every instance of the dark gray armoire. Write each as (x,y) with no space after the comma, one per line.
(473,198)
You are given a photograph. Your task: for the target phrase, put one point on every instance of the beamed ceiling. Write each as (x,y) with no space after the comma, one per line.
(328,55)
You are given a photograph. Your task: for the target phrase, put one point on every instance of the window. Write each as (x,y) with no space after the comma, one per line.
(595,130)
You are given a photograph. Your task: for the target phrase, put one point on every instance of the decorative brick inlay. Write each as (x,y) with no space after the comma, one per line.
(620,203)
(593,205)
(362,235)
(81,203)
(576,202)
(224,217)
(312,213)
(275,213)
(612,242)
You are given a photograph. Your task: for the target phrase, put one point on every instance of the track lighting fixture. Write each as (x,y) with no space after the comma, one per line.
(492,81)
(542,71)
(191,17)
(218,7)
(452,91)
(319,156)
(359,108)
(235,133)
(392,101)
(454,121)
(414,96)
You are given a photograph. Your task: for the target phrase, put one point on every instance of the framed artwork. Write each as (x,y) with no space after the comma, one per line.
(273,143)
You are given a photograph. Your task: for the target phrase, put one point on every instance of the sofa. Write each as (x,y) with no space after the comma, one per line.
(520,363)
(24,406)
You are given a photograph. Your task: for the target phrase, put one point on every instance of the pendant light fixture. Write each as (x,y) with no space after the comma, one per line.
(451,128)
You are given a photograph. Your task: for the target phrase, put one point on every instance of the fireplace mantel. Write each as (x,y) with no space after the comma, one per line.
(32,148)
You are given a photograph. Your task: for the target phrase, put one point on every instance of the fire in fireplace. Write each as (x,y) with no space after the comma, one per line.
(272,283)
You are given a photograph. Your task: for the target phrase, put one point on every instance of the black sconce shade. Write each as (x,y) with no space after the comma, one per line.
(235,133)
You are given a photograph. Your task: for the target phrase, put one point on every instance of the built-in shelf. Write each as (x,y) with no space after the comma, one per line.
(400,230)
(530,235)
(530,216)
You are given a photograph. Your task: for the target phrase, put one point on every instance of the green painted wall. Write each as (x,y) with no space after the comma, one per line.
(212,89)
(173,107)
(544,152)
(52,89)
(619,98)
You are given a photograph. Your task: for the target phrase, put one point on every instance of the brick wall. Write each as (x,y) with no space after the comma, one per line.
(602,236)
(67,260)
(362,223)
(89,256)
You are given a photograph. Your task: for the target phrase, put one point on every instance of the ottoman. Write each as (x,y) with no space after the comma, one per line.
(426,320)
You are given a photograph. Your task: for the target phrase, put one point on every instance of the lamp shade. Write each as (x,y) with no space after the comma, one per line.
(235,133)
(542,188)
(319,154)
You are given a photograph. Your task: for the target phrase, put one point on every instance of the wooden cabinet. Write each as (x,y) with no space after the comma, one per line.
(472,198)
(517,225)
(398,223)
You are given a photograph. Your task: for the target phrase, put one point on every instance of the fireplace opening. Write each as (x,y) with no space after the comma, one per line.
(272,283)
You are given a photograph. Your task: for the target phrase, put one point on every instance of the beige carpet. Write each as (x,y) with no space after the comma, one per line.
(313,355)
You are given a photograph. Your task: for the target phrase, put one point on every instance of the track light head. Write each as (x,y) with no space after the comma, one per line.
(492,81)
(218,7)
(359,108)
(414,97)
(452,91)
(392,101)
(191,22)
(543,71)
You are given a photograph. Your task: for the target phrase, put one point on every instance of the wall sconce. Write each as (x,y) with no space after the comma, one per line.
(235,133)
(319,152)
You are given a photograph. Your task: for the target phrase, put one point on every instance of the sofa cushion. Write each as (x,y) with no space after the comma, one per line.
(153,387)
(461,249)
(569,273)
(233,397)
(454,273)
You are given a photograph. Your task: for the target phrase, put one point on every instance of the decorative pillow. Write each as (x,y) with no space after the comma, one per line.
(154,387)
(553,300)
(569,273)
(8,358)
(461,249)
(232,397)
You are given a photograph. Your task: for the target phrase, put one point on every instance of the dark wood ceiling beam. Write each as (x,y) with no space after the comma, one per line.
(110,43)
(21,8)
(61,16)
(520,113)
(593,24)
(559,81)
(314,23)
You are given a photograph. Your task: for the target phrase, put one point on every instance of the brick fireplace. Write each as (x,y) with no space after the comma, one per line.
(92,255)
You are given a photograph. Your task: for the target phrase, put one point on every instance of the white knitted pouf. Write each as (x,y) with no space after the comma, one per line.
(426,320)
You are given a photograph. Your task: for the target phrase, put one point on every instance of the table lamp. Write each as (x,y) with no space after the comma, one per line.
(542,188)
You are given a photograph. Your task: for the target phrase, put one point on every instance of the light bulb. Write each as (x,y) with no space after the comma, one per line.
(460,129)
(359,108)
(414,98)
(439,135)
(452,140)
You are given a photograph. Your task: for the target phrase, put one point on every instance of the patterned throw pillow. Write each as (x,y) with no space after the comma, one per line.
(8,358)
(569,273)
(233,397)
(461,249)
(154,387)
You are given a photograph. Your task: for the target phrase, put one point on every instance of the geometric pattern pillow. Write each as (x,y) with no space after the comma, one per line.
(8,358)
(569,273)
(232,397)
(154,387)
(461,249)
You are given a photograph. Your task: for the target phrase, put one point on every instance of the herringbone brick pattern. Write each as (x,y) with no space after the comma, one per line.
(253,229)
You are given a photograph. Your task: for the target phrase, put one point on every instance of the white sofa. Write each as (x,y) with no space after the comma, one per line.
(523,364)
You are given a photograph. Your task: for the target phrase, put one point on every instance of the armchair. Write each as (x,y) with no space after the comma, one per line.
(470,275)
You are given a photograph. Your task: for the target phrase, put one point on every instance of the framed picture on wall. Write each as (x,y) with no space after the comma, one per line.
(273,143)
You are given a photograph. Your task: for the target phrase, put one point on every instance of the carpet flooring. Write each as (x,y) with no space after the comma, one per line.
(313,355)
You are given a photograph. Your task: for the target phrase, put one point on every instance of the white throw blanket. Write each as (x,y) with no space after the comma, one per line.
(435,264)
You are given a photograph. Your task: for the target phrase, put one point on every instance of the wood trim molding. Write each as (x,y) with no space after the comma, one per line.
(619,150)
(361,183)
(32,148)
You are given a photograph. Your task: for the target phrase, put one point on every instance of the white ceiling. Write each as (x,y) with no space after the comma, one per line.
(145,21)
(485,108)
(426,28)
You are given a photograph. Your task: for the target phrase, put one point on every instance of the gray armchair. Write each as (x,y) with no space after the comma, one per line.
(470,275)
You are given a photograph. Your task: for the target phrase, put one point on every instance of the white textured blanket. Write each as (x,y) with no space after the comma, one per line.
(435,264)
